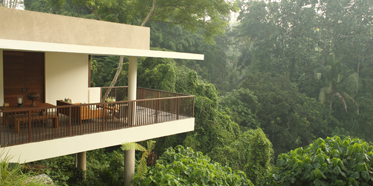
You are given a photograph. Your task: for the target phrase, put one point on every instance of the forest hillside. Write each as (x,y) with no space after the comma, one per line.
(283,96)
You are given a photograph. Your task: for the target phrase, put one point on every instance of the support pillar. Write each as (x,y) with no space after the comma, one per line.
(129,166)
(81,162)
(129,155)
(132,89)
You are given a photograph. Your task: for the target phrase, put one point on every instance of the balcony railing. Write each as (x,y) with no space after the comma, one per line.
(28,125)
(121,93)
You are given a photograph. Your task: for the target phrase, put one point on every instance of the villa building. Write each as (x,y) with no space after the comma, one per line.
(49,55)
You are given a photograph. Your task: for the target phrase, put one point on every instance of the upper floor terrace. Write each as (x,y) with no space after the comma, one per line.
(153,114)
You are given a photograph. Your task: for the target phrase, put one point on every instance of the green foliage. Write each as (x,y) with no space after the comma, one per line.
(103,69)
(192,15)
(142,168)
(103,168)
(11,174)
(288,117)
(335,80)
(60,170)
(244,106)
(250,152)
(183,166)
(158,73)
(260,154)
(329,161)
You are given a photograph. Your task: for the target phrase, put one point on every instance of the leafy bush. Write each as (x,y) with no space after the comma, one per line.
(251,152)
(183,166)
(102,169)
(11,173)
(60,169)
(329,161)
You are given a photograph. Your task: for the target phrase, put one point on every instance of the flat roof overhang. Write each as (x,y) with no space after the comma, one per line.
(6,44)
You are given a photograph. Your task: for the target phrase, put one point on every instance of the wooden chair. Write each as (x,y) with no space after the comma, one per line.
(81,112)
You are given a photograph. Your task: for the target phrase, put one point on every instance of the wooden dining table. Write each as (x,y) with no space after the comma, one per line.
(39,109)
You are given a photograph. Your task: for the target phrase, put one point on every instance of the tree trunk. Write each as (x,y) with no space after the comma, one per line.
(331,102)
(150,14)
(357,78)
(114,81)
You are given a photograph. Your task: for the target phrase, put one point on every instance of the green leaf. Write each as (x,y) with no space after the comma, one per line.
(365,175)
(317,182)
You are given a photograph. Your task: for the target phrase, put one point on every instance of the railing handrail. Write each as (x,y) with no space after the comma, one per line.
(88,104)
(147,89)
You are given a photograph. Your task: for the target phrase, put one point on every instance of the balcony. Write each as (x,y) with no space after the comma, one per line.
(29,125)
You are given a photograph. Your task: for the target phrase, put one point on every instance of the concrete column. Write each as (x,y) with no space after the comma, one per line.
(129,166)
(132,78)
(129,155)
(81,162)
(132,89)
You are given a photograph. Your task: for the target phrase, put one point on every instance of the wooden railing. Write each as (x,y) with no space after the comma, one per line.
(121,93)
(39,124)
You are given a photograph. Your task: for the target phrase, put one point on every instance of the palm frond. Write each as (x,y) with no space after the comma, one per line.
(322,94)
(352,77)
(132,145)
(341,99)
(330,87)
(151,145)
(319,70)
(143,168)
(352,99)
(327,68)
(340,77)
(318,76)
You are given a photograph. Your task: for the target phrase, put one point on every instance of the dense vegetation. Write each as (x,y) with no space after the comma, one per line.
(285,75)
(329,161)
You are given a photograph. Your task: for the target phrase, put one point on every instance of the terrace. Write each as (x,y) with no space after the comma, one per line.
(151,107)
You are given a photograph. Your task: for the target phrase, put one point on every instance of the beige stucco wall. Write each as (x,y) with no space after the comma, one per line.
(94,95)
(43,27)
(71,145)
(2,79)
(66,76)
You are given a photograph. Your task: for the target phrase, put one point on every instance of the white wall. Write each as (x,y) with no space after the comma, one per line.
(66,76)
(70,145)
(94,95)
(2,79)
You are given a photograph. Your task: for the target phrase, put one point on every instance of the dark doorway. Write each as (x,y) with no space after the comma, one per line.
(23,73)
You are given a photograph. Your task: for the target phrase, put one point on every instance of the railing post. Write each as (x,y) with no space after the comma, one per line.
(132,113)
(70,121)
(29,126)
(103,117)
(115,93)
(156,111)
(177,108)
(157,107)
(142,94)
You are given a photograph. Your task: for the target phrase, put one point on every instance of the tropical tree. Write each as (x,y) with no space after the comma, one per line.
(192,15)
(288,117)
(251,152)
(148,157)
(335,79)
